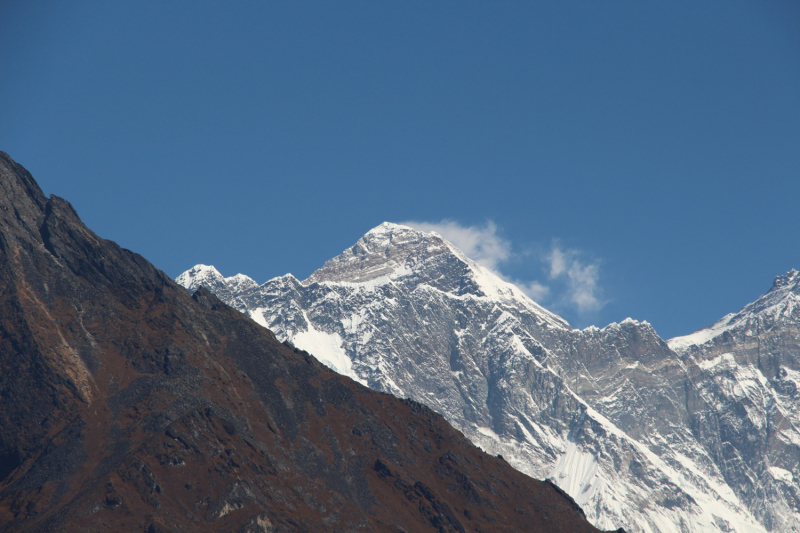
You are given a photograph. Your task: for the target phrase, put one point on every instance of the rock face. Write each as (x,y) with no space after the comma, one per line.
(624,424)
(129,405)
(747,371)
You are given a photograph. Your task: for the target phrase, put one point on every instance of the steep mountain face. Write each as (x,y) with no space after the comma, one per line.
(747,371)
(613,415)
(129,405)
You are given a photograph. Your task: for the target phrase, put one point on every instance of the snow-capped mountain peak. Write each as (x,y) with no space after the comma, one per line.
(198,276)
(400,254)
(639,435)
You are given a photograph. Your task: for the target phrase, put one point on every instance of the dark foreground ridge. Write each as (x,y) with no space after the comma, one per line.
(128,405)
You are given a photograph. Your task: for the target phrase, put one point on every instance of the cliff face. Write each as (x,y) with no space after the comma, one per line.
(126,403)
(747,409)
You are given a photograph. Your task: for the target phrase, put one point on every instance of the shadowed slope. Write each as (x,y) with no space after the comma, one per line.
(127,404)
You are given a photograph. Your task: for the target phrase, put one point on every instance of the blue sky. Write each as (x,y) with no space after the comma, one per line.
(640,157)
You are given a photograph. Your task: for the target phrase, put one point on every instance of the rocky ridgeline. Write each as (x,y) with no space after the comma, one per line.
(636,432)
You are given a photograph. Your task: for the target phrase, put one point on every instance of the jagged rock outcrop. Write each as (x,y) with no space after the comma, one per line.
(129,405)
(612,415)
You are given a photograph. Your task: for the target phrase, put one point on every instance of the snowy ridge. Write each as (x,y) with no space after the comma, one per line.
(641,436)
(704,335)
(782,301)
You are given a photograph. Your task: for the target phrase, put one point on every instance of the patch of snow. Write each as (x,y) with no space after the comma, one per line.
(578,473)
(724,360)
(702,336)
(488,432)
(781,474)
(386,228)
(257,315)
(327,348)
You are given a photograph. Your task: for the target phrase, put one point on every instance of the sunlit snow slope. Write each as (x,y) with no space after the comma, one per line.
(614,416)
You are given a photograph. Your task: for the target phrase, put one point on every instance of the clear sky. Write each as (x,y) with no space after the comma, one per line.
(618,159)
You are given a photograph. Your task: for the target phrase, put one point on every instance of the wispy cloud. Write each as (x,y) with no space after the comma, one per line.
(482,244)
(535,290)
(573,280)
(581,277)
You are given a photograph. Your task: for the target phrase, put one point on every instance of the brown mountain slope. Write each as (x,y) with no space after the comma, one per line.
(126,404)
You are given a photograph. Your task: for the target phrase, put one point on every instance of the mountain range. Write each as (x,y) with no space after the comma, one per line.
(697,433)
(128,404)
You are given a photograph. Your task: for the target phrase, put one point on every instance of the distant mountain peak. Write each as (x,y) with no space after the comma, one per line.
(781,302)
(208,271)
(393,253)
(384,251)
(208,276)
